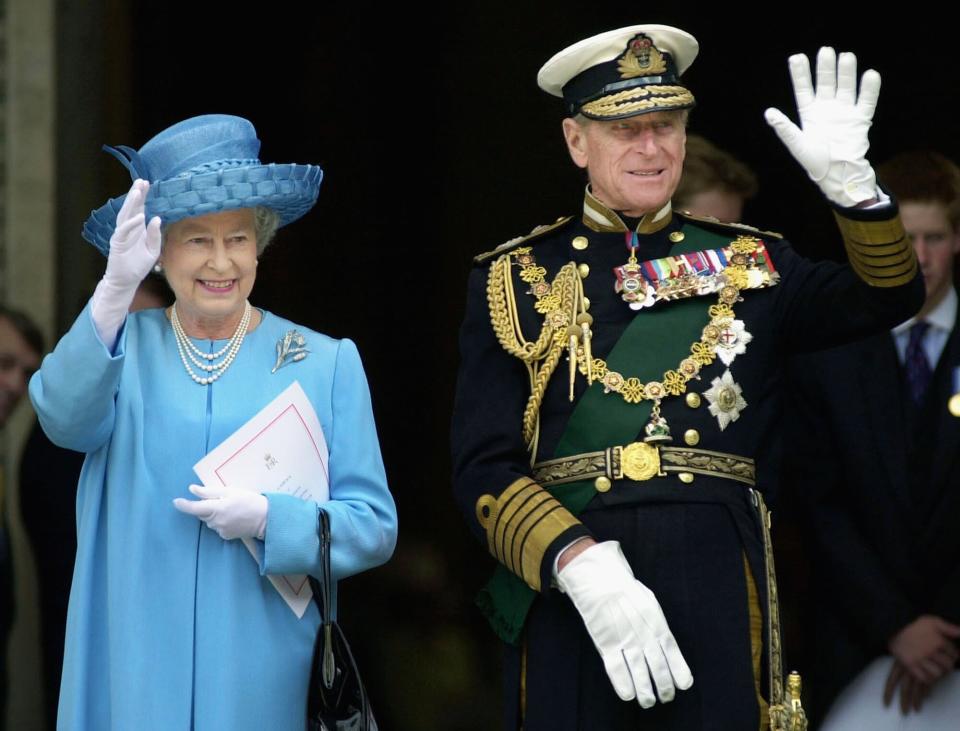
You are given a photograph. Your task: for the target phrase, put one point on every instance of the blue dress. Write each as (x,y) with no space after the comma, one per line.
(170,627)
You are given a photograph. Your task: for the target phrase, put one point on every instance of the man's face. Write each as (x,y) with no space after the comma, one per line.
(18,361)
(634,164)
(936,243)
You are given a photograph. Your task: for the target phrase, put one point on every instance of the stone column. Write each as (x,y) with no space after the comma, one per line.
(27,275)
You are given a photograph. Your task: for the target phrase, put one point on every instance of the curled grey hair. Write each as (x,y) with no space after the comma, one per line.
(266,221)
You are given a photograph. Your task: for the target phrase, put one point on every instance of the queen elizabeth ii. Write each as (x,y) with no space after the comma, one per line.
(172,624)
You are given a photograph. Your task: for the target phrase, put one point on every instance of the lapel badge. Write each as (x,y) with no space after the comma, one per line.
(641,58)
(290,348)
(732,340)
(725,397)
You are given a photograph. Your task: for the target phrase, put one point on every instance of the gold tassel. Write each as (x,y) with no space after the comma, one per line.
(573,333)
(585,320)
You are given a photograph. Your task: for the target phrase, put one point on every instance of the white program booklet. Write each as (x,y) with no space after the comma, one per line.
(281,449)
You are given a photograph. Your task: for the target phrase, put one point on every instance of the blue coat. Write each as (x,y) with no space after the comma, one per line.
(170,627)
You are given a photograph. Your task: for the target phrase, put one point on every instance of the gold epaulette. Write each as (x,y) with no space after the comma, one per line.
(521,524)
(717,223)
(514,243)
(879,251)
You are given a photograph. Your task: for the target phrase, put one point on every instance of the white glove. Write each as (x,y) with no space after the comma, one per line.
(832,144)
(626,624)
(134,248)
(231,511)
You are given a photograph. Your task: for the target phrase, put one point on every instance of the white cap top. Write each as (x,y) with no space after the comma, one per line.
(605,47)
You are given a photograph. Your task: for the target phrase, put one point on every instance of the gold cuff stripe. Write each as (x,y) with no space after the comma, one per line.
(521,524)
(529,562)
(905,265)
(878,249)
(511,523)
(882,272)
(901,257)
(895,280)
(904,262)
(511,503)
(870,232)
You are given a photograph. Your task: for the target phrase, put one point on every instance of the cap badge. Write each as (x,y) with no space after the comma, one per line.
(641,58)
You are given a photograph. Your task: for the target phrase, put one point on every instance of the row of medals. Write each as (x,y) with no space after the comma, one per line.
(724,336)
(639,293)
(727,335)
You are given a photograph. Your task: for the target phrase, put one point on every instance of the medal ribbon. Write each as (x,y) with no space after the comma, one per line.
(701,263)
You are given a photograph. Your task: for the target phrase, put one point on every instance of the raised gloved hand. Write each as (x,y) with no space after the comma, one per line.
(831,142)
(231,511)
(134,247)
(626,624)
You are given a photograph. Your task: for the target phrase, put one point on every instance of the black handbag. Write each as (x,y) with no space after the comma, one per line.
(336,698)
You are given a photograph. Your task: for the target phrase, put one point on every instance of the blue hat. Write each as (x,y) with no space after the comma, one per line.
(203,165)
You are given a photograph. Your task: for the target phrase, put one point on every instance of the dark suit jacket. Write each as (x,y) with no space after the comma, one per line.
(880,481)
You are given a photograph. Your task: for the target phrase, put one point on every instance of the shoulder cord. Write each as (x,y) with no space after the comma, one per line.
(542,356)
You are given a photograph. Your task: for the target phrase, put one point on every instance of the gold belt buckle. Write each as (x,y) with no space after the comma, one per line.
(640,461)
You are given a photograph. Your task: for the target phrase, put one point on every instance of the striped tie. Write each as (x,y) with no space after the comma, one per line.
(915,362)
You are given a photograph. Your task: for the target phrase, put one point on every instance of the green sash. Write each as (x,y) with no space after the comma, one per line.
(655,341)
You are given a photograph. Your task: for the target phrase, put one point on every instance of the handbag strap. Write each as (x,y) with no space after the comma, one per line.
(322,595)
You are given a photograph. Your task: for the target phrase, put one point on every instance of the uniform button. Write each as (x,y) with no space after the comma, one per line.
(584,270)
(693,400)
(691,437)
(586,303)
(602,484)
(677,236)
(580,243)
(685,477)
(954,404)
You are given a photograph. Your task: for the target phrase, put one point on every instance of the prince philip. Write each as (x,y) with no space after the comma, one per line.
(614,429)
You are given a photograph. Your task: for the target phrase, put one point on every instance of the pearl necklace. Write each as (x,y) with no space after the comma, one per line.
(228,352)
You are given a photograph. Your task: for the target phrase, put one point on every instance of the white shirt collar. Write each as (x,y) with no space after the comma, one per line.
(942,317)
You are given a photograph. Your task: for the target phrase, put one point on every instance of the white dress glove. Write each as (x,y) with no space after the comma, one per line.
(134,247)
(831,142)
(626,624)
(231,511)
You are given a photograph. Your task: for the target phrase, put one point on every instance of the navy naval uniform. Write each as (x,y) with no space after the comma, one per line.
(691,534)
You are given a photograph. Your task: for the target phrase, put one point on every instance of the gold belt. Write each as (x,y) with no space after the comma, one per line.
(642,461)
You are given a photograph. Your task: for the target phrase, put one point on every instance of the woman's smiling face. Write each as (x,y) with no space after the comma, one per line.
(210,263)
